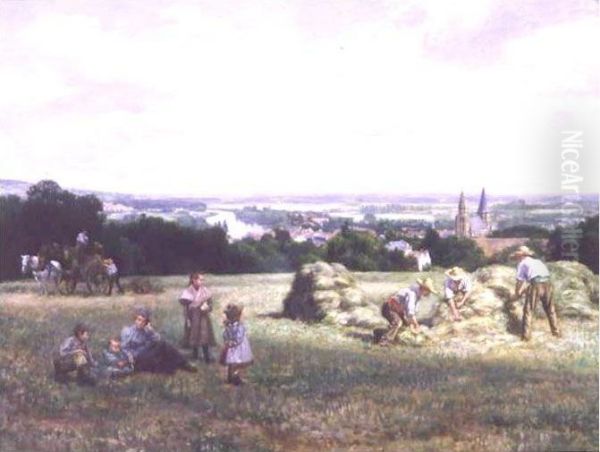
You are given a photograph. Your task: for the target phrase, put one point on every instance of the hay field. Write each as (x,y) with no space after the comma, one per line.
(312,386)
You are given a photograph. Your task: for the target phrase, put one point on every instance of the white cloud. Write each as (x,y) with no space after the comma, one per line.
(248,101)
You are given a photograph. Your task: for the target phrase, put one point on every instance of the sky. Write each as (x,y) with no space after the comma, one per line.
(232,97)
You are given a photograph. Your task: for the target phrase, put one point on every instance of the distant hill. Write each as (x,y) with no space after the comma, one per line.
(502,205)
(138,202)
(13,187)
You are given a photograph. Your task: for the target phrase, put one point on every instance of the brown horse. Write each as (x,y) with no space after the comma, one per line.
(84,266)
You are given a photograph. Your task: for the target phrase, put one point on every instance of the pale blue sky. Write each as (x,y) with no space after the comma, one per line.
(235,97)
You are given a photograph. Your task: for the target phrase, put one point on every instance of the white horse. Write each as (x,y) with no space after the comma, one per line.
(51,272)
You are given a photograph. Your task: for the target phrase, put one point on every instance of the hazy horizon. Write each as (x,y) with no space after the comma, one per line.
(228,196)
(233,98)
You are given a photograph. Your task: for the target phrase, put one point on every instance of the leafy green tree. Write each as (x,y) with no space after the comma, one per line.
(504,257)
(459,251)
(431,239)
(399,262)
(588,248)
(12,242)
(51,214)
(525,230)
(356,250)
(579,242)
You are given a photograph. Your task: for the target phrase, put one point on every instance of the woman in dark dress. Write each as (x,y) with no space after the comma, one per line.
(150,352)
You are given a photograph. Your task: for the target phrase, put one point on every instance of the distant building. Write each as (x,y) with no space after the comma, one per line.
(318,238)
(423,259)
(491,246)
(364,230)
(399,245)
(445,233)
(478,225)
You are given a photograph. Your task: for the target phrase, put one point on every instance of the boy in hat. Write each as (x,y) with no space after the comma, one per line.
(74,355)
(457,290)
(533,279)
(401,308)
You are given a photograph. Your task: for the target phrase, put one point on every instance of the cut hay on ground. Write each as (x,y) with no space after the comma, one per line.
(329,293)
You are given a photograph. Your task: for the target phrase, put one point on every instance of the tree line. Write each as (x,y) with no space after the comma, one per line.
(152,246)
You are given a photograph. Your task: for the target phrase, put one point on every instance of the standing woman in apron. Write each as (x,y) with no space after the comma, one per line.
(198,332)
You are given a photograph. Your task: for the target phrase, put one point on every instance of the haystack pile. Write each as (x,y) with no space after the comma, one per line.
(491,316)
(575,289)
(329,293)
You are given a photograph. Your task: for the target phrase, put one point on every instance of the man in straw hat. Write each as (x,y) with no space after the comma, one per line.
(401,308)
(533,279)
(457,290)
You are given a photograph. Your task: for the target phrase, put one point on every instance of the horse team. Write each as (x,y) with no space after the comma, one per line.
(63,268)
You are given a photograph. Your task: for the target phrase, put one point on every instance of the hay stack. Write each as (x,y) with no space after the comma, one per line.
(489,299)
(329,293)
(490,313)
(575,289)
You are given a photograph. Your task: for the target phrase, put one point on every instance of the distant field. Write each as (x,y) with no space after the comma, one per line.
(312,386)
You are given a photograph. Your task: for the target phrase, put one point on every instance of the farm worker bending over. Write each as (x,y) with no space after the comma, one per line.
(457,290)
(401,308)
(533,278)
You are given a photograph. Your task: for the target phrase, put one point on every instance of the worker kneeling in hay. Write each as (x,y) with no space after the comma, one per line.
(400,310)
(457,290)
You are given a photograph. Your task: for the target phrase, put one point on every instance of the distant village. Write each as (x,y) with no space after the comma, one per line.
(319,220)
(477,226)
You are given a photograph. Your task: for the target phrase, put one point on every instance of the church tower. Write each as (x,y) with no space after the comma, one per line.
(462,225)
(483,211)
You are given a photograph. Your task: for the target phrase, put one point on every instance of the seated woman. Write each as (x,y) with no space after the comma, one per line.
(151,353)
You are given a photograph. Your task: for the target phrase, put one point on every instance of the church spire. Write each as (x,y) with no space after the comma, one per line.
(462,225)
(483,208)
(461,203)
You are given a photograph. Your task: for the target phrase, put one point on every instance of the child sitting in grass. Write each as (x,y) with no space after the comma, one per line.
(74,355)
(236,354)
(118,362)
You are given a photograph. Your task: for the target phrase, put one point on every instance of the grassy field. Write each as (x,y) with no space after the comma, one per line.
(312,386)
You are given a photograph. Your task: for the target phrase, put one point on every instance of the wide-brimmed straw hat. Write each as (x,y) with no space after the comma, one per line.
(455,273)
(522,251)
(428,284)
